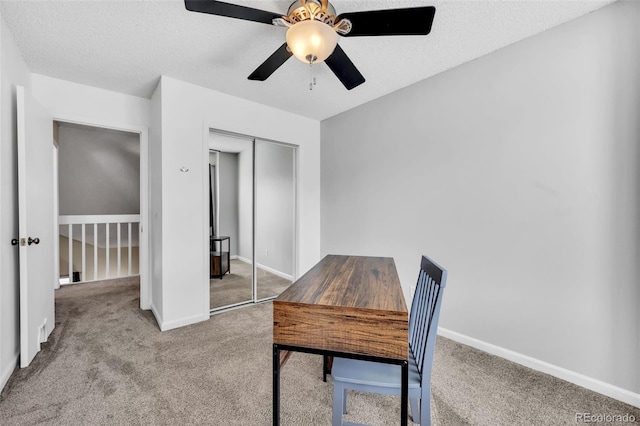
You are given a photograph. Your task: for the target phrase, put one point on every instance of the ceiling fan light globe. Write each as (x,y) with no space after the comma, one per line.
(311,41)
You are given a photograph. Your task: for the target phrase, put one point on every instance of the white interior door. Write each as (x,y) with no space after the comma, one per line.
(36,223)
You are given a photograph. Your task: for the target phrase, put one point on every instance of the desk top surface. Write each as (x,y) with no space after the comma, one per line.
(351,282)
(345,304)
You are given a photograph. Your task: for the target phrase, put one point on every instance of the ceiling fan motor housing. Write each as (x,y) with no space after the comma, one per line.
(318,10)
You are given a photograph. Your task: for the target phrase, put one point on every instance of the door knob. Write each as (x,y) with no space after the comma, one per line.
(33,240)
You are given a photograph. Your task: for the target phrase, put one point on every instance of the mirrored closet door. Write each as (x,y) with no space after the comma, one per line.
(275,172)
(230,221)
(252,223)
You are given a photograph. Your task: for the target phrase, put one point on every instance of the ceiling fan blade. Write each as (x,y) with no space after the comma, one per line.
(344,69)
(390,22)
(231,10)
(272,63)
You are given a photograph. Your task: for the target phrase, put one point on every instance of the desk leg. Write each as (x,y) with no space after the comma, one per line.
(327,364)
(276,385)
(404,394)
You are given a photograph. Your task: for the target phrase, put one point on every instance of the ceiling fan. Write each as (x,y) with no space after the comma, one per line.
(313,29)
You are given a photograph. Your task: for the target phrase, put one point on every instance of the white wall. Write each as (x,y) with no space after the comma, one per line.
(275,206)
(13,71)
(89,104)
(188,111)
(519,172)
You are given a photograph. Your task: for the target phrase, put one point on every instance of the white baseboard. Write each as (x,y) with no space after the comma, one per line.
(266,268)
(8,371)
(170,325)
(275,272)
(590,383)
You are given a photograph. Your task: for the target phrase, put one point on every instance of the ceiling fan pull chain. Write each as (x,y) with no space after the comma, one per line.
(312,79)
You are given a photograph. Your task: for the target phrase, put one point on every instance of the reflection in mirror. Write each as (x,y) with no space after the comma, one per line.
(275,217)
(231,220)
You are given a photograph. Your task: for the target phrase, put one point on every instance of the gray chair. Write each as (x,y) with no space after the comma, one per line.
(381,378)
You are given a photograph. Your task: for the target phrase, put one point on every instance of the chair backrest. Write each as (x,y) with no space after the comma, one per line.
(423,319)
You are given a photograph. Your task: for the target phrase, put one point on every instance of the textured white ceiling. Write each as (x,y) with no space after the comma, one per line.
(126,45)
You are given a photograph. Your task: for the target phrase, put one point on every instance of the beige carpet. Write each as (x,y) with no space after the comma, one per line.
(236,286)
(108,364)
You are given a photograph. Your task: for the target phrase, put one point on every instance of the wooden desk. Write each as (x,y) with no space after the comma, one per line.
(346,306)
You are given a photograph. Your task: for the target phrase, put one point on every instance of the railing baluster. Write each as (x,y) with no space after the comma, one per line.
(108,245)
(129,249)
(70,253)
(118,231)
(95,251)
(83,239)
(84,254)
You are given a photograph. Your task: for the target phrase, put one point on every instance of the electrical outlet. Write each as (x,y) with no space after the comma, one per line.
(266,252)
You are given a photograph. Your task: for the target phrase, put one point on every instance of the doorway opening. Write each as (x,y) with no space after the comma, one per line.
(252,219)
(100,204)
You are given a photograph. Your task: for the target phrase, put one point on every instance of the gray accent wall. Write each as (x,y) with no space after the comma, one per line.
(99,171)
(520,173)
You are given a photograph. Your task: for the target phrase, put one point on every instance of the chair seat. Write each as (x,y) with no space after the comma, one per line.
(367,373)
